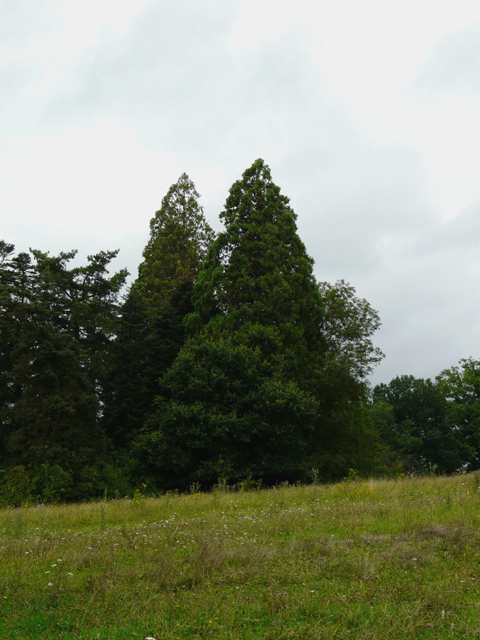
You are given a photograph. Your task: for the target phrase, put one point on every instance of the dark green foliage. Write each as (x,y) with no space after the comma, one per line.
(131,384)
(55,416)
(271,382)
(10,282)
(345,438)
(230,409)
(146,347)
(421,433)
(56,326)
(15,487)
(237,401)
(52,484)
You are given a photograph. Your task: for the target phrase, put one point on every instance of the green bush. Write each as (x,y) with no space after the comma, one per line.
(15,487)
(53,484)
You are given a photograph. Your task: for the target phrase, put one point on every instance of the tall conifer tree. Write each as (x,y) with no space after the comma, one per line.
(258,270)
(152,330)
(236,401)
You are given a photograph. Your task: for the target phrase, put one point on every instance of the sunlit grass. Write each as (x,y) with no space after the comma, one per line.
(378,559)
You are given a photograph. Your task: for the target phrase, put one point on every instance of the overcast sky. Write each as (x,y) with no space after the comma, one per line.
(368,114)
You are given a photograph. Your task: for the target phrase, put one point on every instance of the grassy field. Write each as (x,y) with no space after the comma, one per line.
(382,559)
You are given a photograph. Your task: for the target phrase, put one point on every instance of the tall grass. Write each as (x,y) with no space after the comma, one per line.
(379,559)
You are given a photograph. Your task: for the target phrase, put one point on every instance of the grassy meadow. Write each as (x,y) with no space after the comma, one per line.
(381,559)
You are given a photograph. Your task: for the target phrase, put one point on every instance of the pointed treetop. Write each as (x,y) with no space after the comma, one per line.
(258,269)
(253,192)
(179,240)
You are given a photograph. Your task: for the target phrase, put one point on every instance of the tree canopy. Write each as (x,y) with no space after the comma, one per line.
(420,430)
(460,385)
(228,410)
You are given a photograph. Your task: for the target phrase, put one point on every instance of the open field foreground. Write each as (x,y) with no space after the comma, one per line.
(379,559)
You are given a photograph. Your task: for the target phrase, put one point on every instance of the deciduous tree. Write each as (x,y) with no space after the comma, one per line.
(460,385)
(229,409)
(422,433)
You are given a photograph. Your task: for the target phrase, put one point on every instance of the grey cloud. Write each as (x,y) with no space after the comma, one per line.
(459,233)
(207,105)
(355,211)
(21,19)
(165,68)
(454,64)
(427,294)
(189,94)
(362,208)
(20,22)
(14,76)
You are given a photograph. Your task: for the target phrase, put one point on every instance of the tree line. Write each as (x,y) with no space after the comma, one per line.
(224,361)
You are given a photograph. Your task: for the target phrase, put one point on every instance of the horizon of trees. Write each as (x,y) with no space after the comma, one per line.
(225,360)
